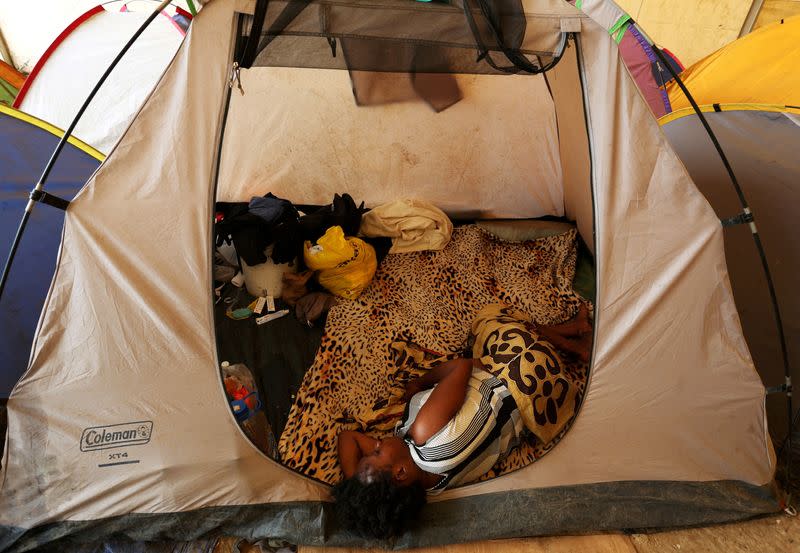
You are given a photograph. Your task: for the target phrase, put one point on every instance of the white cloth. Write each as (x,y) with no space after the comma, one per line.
(413,225)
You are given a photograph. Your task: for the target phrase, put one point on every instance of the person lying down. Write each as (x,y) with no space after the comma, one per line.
(461,417)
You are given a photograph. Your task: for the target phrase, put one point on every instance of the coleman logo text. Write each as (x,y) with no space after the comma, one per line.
(116,435)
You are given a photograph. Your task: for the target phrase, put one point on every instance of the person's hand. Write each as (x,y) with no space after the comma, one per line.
(351,447)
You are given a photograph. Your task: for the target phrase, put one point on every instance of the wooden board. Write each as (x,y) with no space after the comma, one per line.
(631,7)
(688,28)
(775,10)
(692,30)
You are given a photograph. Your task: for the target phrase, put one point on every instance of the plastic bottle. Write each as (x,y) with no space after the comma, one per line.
(245,402)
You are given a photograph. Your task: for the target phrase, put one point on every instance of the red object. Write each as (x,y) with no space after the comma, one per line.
(236,391)
(674,58)
(183,12)
(47,53)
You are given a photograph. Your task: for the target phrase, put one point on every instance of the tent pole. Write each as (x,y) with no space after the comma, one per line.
(748,217)
(46,173)
(752,16)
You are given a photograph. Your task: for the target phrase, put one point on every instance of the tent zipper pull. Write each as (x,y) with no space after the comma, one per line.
(236,78)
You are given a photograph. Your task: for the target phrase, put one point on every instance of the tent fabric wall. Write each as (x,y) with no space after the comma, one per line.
(667,327)
(63,78)
(134,262)
(749,92)
(672,395)
(761,144)
(564,81)
(25,146)
(639,58)
(507,166)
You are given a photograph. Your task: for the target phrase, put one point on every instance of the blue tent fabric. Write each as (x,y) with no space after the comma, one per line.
(24,151)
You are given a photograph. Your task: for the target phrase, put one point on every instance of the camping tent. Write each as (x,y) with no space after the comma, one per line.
(750,93)
(26,144)
(29,27)
(71,66)
(672,429)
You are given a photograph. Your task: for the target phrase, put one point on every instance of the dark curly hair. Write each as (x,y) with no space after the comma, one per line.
(379,509)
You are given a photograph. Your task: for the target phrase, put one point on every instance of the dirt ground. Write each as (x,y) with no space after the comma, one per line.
(774,534)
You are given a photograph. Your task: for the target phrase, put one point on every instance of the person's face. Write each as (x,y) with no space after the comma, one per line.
(389,456)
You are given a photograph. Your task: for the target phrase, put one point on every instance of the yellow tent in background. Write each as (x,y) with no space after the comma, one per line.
(759,68)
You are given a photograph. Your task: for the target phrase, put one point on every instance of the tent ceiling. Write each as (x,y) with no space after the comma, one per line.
(398,35)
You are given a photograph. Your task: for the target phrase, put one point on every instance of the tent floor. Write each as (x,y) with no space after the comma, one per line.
(277,353)
(779,533)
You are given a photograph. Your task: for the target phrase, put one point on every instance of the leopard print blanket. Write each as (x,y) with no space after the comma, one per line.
(430,299)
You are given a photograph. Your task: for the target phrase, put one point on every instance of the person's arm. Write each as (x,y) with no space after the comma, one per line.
(444,402)
(431,377)
(351,448)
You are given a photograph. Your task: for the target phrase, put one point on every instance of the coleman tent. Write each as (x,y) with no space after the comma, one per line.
(749,92)
(26,143)
(71,66)
(120,424)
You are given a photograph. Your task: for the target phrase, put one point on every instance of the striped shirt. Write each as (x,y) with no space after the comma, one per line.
(482,432)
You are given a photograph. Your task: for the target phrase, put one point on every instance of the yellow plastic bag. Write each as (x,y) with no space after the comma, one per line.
(346,265)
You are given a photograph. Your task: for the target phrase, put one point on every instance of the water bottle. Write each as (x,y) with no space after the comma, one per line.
(245,402)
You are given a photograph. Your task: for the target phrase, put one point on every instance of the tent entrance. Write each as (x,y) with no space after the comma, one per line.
(484,146)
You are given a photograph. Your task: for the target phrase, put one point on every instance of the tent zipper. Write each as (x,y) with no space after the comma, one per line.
(236,78)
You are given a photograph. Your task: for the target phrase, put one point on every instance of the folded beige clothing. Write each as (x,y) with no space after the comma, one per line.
(413,225)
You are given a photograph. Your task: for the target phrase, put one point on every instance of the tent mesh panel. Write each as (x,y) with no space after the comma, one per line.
(481,37)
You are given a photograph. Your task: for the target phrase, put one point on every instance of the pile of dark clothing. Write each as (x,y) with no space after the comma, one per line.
(252,227)
(269,220)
